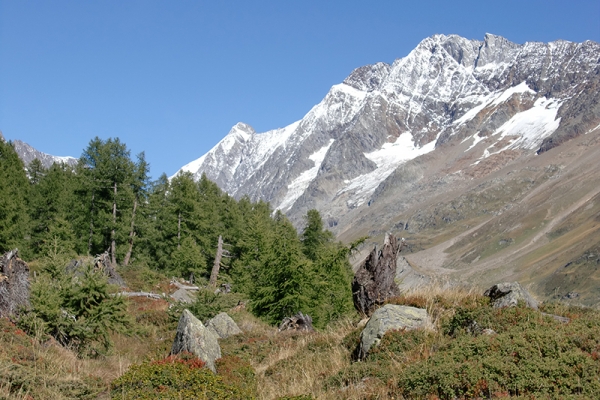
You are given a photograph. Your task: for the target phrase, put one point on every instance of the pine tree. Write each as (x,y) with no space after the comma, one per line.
(14,192)
(105,168)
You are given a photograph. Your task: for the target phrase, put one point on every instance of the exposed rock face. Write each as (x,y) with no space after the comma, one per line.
(449,89)
(14,284)
(223,326)
(390,317)
(28,154)
(298,322)
(194,337)
(373,282)
(508,294)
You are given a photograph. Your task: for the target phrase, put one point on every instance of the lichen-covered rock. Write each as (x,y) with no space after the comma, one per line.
(390,317)
(508,294)
(223,326)
(14,283)
(192,336)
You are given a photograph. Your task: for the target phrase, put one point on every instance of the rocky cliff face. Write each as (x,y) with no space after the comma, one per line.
(448,90)
(28,154)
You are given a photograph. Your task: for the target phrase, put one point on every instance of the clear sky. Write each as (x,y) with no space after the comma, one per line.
(172,77)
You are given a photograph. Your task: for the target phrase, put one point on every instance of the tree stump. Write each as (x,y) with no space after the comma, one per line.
(373,282)
(14,284)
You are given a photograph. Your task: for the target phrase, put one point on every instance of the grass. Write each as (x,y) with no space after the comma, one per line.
(529,356)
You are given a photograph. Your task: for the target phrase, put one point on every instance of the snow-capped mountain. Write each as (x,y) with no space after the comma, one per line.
(27,154)
(490,97)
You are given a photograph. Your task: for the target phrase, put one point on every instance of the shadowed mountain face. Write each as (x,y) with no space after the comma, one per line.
(483,153)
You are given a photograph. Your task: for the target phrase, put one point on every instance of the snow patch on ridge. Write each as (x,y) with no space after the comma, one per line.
(530,127)
(388,158)
(300,184)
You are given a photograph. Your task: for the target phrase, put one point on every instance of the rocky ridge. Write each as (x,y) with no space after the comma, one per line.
(447,90)
(482,154)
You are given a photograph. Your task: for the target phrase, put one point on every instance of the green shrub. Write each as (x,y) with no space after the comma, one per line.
(207,305)
(530,355)
(176,377)
(78,311)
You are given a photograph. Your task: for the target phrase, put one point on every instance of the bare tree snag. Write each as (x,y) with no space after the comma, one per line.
(131,234)
(179,230)
(91,223)
(113,243)
(373,282)
(14,284)
(217,265)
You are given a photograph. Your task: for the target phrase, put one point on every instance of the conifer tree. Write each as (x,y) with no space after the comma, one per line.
(14,191)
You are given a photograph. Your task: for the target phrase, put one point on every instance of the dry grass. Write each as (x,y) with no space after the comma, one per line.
(293,364)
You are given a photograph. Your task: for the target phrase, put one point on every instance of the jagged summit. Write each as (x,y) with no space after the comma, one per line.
(490,96)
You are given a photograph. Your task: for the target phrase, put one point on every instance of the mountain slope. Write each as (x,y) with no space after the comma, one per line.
(454,135)
(448,88)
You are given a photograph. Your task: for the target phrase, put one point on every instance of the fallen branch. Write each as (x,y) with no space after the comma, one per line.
(182,286)
(140,294)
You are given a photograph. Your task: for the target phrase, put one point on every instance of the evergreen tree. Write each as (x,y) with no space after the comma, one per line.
(14,192)
(50,207)
(106,168)
(284,281)
(315,238)
(139,187)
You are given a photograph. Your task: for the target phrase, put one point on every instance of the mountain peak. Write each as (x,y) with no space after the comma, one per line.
(449,89)
(242,130)
(369,77)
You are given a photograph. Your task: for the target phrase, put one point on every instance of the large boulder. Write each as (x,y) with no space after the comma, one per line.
(192,336)
(373,282)
(223,326)
(14,284)
(387,318)
(508,294)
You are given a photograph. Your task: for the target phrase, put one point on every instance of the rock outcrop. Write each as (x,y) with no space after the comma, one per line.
(508,294)
(192,336)
(223,326)
(373,282)
(14,284)
(387,318)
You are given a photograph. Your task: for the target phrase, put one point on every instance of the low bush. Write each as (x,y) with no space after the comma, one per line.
(79,311)
(175,377)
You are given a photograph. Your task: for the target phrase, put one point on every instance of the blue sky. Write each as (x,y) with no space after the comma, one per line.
(172,77)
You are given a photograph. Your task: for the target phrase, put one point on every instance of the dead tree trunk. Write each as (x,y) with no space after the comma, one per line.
(217,265)
(179,230)
(373,282)
(113,242)
(91,224)
(14,284)
(131,234)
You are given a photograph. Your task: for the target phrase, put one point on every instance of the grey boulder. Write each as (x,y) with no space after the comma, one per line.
(223,326)
(508,294)
(192,336)
(387,318)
